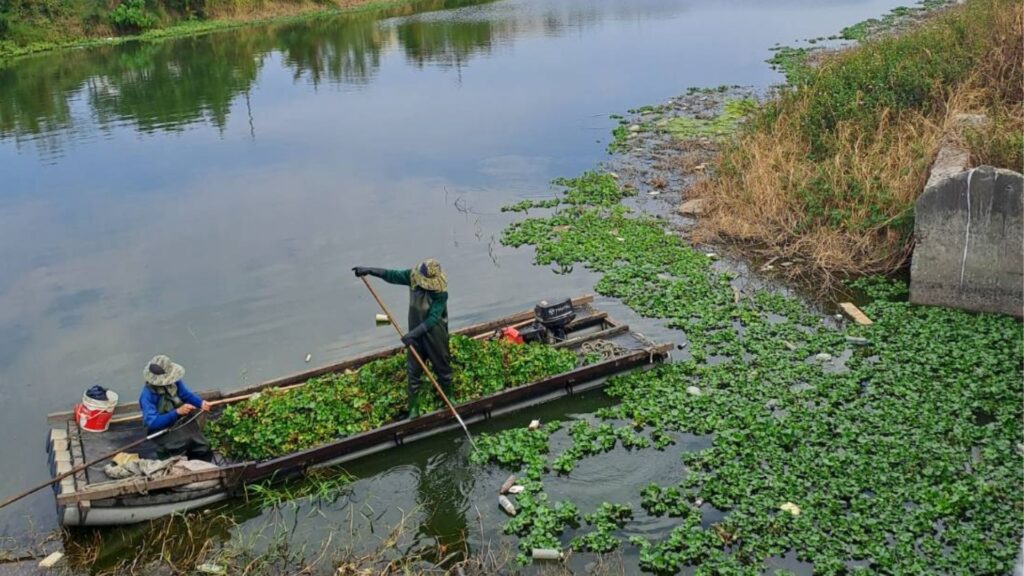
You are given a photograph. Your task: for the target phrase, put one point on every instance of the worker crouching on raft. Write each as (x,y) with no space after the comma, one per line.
(164,400)
(428,323)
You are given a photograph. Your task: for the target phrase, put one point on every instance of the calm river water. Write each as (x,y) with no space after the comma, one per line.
(206,197)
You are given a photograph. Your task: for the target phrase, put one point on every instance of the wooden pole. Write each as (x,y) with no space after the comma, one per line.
(423,365)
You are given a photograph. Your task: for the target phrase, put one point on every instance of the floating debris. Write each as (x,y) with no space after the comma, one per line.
(546,554)
(516,489)
(534,424)
(855,313)
(508,484)
(309,357)
(791,508)
(51,560)
(507,505)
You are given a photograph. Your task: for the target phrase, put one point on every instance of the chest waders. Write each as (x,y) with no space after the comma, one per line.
(432,347)
(188,439)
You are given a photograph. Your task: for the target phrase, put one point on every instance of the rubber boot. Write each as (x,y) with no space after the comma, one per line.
(414,377)
(446,387)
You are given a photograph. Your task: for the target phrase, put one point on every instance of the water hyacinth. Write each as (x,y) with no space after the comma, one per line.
(334,406)
(901,454)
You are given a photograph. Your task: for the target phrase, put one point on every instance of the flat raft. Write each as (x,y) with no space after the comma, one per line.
(90,498)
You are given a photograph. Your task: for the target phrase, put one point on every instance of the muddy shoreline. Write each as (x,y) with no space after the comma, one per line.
(662,167)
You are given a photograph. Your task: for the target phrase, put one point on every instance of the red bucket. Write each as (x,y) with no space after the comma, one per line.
(94,415)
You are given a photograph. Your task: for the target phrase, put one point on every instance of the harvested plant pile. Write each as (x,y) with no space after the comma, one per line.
(338,405)
(901,456)
(828,172)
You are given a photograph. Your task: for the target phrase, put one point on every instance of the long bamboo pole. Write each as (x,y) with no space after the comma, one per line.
(419,359)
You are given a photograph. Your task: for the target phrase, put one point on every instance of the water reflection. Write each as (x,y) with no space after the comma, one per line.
(167,86)
(342,51)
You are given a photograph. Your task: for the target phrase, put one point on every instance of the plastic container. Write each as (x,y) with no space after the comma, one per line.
(546,554)
(511,335)
(94,415)
(507,505)
(381,319)
(508,484)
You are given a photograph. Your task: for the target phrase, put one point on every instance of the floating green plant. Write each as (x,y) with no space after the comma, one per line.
(902,455)
(724,124)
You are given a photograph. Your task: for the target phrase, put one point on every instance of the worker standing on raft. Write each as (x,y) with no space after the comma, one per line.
(428,323)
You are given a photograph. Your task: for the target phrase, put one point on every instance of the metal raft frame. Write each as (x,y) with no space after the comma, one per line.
(82,500)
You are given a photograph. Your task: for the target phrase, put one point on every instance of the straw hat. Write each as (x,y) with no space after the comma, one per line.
(162,372)
(428,275)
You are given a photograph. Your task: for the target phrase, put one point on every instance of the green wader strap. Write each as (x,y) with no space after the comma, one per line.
(168,398)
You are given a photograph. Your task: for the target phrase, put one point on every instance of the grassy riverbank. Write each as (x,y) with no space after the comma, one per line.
(828,171)
(31,26)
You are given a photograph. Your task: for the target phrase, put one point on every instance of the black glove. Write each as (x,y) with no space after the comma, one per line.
(410,337)
(363,271)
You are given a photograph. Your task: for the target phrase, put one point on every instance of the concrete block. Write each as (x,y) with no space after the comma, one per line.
(969,232)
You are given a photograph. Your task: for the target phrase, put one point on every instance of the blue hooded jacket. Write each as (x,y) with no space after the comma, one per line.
(155,421)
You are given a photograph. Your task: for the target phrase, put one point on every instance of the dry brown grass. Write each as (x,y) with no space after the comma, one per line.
(849,211)
(265,10)
(762,205)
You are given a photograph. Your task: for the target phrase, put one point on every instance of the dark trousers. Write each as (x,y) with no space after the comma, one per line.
(188,440)
(436,353)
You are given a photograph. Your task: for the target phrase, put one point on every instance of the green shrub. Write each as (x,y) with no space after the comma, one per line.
(131,16)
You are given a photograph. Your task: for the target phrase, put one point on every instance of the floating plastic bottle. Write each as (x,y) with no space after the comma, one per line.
(546,554)
(508,484)
(507,505)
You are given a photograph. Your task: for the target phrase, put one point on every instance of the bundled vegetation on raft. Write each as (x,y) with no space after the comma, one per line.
(892,448)
(829,170)
(338,405)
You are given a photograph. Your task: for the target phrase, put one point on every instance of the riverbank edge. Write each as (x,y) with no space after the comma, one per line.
(9,52)
(751,206)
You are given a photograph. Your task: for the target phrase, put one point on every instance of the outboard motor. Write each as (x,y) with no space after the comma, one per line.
(548,326)
(555,317)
